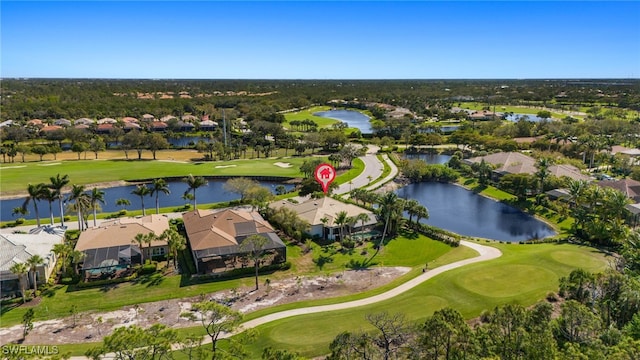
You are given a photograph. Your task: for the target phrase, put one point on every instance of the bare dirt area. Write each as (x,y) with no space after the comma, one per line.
(92,327)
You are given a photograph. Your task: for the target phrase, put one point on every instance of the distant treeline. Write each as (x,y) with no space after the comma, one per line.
(24,99)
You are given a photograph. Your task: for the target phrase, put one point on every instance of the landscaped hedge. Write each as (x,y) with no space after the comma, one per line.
(435,233)
(98,283)
(241,272)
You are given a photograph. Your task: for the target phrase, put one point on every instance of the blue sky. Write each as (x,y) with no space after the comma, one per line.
(320,40)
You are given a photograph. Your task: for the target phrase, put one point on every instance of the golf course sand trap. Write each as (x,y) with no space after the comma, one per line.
(50,164)
(13,167)
(283,165)
(225,166)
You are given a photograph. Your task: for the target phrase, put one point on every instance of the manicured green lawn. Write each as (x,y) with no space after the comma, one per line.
(514,109)
(356,168)
(307,114)
(523,275)
(15,176)
(399,252)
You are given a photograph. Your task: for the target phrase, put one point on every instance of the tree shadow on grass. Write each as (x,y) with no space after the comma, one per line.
(109,287)
(362,264)
(150,280)
(479,188)
(321,260)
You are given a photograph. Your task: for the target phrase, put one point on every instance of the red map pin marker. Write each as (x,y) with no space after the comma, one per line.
(325,174)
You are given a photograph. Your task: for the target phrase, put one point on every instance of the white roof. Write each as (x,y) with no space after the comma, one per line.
(18,248)
(313,210)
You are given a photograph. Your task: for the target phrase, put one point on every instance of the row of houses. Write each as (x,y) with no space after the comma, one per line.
(215,239)
(518,163)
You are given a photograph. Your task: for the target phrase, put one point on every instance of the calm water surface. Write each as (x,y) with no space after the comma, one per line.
(212,193)
(459,210)
(353,118)
(430,158)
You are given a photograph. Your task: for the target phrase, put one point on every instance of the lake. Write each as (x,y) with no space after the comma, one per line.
(516,117)
(464,212)
(212,193)
(353,118)
(430,158)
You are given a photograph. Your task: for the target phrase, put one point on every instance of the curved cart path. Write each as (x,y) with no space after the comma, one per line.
(485,253)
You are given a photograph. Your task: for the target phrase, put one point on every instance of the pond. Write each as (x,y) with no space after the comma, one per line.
(464,212)
(212,193)
(516,117)
(430,158)
(355,119)
(184,141)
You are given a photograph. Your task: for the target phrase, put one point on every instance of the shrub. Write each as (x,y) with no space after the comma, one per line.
(147,269)
(20,221)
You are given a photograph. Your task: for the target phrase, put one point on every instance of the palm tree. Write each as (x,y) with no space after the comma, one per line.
(193,183)
(362,217)
(158,186)
(123,202)
(542,174)
(62,251)
(421,213)
(50,196)
(35,194)
(140,239)
(81,201)
(390,208)
(176,242)
(20,269)
(141,190)
(57,183)
(341,220)
(96,196)
(33,262)
(411,206)
(75,256)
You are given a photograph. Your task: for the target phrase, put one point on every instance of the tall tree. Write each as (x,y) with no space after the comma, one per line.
(390,210)
(20,269)
(81,203)
(35,193)
(159,186)
(193,183)
(34,261)
(141,190)
(57,184)
(341,220)
(96,196)
(176,243)
(217,320)
(254,245)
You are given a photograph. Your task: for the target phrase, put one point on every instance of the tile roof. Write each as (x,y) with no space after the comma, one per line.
(517,163)
(313,210)
(122,231)
(629,187)
(214,229)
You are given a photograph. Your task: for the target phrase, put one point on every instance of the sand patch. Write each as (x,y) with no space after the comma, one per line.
(52,164)
(283,165)
(225,166)
(12,167)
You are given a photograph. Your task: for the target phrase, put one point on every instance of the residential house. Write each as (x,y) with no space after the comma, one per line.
(215,238)
(111,244)
(518,163)
(321,215)
(629,187)
(18,248)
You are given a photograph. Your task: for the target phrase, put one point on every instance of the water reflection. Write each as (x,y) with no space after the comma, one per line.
(212,193)
(456,209)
